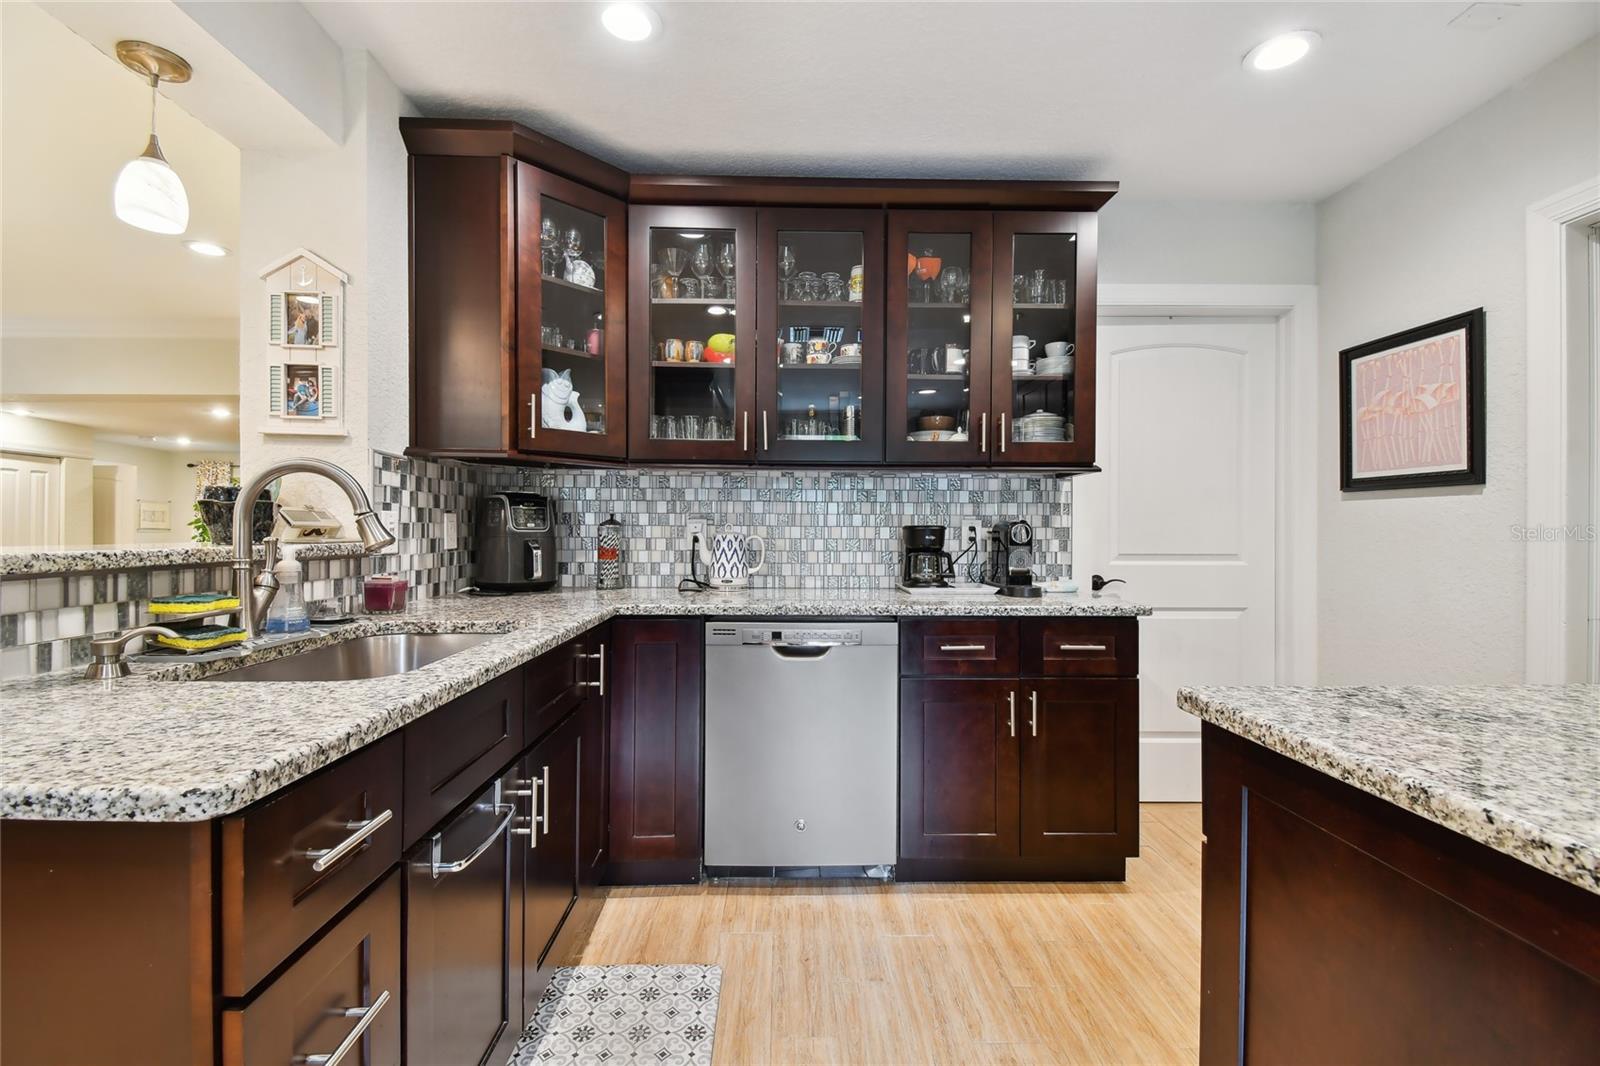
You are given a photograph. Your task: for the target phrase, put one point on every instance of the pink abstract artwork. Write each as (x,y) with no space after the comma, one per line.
(1408,412)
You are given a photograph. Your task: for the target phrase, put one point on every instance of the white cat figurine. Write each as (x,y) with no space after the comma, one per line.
(561,410)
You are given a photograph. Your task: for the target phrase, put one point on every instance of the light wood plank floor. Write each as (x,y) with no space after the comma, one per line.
(849,973)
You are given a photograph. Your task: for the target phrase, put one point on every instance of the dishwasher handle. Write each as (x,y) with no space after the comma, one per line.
(804,650)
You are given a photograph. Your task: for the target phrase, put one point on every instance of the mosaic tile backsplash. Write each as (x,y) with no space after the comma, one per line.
(823,530)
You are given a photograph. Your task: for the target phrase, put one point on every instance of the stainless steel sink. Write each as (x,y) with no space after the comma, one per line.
(359,658)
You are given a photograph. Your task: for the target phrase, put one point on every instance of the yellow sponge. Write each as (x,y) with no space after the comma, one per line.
(204,601)
(204,638)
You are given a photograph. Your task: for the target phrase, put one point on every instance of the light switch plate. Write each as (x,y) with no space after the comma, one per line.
(452,530)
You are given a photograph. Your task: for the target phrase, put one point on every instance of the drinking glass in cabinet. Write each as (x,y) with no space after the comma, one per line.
(692,354)
(938,337)
(1043,329)
(818,348)
(572,245)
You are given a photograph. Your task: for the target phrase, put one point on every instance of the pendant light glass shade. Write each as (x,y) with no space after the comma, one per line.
(150,195)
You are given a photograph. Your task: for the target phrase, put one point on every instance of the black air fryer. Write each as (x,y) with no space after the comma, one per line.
(516,542)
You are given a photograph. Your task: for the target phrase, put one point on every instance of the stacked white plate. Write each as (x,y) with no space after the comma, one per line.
(1039,426)
(1053,367)
(936,435)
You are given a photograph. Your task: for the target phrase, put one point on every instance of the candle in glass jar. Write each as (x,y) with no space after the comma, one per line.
(384,593)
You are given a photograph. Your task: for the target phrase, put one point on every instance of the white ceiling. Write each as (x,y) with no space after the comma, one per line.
(145,421)
(1153,95)
(71,117)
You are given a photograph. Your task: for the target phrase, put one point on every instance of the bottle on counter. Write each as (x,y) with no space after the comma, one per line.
(608,555)
(288,611)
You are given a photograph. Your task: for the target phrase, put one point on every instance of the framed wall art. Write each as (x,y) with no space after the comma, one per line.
(1411,408)
(305,296)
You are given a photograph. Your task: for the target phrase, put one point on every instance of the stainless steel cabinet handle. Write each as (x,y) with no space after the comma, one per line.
(1083,647)
(764,444)
(1001,437)
(1011,708)
(531,793)
(962,647)
(1033,714)
(440,868)
(353,1037)
(600,684)
(545,788)
(533,416)
(983,429)
(746,422)
(326,857)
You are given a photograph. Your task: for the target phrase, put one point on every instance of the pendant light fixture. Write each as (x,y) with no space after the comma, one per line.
(149,194)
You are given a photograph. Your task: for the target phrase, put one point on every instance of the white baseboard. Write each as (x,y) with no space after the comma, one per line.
(1169,768)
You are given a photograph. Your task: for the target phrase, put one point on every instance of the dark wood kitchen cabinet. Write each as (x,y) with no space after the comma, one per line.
(546,839)
(655,731)
(958,769)
(819,312)
(1079,746)
(504,257)
(692,347)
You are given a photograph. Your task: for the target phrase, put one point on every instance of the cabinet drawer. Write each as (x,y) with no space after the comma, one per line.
(959,647)
(452,751)
(1080,647)
(345,988)
(344,819)
(554,687)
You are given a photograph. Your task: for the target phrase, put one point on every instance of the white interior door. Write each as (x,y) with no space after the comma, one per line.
(1184,513)
(30,501)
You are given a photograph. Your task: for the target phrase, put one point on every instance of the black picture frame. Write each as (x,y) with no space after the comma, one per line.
(1473,473)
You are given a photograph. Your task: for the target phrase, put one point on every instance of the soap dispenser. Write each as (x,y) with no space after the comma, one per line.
(288,611)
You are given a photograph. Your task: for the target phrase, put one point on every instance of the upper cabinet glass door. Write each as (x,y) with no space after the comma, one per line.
(1044,316)
(938,371)
(820,323)
(571,369)
(693,365)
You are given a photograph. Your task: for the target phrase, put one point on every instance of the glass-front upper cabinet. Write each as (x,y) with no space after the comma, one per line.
(819,378)
(693,351)
(571,317)
(938,355)
(1044,319)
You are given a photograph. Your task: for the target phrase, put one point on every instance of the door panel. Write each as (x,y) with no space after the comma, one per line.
(548,844)
(1187,426)
(958,769)
(655,740)
(1077,766)
(30,502)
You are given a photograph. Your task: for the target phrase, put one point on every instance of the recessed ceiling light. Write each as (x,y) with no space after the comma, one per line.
(21,412)
(1281,51)
(210,248)
(631,22)
(926,392)
(220,411)
(716,309)
(182,442)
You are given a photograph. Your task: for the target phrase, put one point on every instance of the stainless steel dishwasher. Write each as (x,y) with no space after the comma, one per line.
(801,726)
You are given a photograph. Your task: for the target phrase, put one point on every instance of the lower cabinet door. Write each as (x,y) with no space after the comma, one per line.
(592,787)
(547,844)
(341,998)
(463,980)
(1079,767)
(958,769)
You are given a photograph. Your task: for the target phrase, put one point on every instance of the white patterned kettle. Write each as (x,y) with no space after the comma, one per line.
(727,558)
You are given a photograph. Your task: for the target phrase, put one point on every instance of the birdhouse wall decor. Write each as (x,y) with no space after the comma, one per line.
(305,332)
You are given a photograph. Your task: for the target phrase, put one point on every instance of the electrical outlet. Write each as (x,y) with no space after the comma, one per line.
(695,527)
(452,531)
(973,530)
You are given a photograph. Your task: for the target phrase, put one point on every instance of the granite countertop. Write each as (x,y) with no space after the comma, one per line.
(26,561)
(1514,767)
(156,747)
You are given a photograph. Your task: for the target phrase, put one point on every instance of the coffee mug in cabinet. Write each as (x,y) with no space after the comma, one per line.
(819,350)
(694,351)
(670,351)
(794,353)
(1058,349)
(850,352)
(858,283)
(955,359)
(1021,340)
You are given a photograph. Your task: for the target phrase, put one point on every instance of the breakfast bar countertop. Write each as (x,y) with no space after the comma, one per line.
(156,747)
(1516,767)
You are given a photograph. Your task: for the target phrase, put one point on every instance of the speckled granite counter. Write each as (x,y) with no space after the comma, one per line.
(1516,768)
(157,747)
(24,561)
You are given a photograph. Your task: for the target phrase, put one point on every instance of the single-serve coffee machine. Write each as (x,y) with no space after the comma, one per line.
(1010,564)
(927,565)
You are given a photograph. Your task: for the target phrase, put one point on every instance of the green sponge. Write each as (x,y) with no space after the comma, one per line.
(204,638)
(201,601)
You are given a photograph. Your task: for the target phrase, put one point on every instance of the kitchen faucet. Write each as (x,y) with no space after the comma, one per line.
(256,596)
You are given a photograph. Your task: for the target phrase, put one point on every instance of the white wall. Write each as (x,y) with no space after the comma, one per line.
(1428,586)
(1149,242)
(119,366)
(160,475)
(347,204)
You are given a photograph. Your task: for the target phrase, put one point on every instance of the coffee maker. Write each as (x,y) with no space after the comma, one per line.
(516,542)
(1010,564)
(927,565)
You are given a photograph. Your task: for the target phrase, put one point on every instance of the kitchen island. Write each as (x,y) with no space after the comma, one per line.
(1400,874)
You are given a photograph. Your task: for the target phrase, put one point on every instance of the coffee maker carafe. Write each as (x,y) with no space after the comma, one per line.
(927,564)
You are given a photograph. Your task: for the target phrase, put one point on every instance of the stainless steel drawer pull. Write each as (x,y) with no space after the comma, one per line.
(528,790)
(544,818)
(983,428)
(1002,437)
(533,416)
(1033,714)
(1011,709)
(353,1037)
(600,684)
(1083,647)
(326,857)
(764,443)
(441,868)
(963,647)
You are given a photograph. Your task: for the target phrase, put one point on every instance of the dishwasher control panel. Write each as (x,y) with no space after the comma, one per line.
(756,634)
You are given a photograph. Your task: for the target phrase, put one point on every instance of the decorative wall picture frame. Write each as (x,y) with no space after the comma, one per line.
(155,514)
(305,296)
(1411,407)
